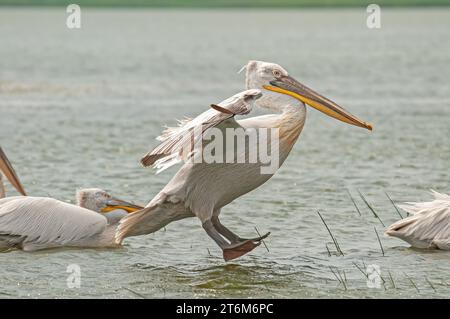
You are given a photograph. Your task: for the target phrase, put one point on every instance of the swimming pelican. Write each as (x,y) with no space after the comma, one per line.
(429,225)
(34,223)
(202,189)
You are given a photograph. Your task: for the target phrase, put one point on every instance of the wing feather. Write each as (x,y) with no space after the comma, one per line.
(179,143)
(429,225)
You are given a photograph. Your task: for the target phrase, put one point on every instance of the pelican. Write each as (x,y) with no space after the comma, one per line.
(203,189)
(429,225)
(10,173)
(35,223)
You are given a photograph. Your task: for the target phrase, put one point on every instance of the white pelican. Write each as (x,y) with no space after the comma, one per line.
(34,223)
(202,189)
(429,225)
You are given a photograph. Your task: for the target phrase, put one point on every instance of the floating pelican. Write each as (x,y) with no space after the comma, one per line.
(429,225)
(202,189)
(34,223)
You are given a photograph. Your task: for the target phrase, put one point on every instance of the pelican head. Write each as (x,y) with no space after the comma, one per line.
(100,201)
(277,85)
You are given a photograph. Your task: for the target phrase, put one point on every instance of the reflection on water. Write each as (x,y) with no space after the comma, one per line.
(79,107)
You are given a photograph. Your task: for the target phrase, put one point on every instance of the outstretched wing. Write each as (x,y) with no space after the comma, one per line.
(179,143)
(43,221)
(8,170)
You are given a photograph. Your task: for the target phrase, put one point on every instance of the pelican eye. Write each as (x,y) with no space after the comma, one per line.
(276,73)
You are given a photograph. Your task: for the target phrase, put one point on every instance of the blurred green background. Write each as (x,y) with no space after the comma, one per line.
(230,3)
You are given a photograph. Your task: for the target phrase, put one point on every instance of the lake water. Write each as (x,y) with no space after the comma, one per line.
(78,108)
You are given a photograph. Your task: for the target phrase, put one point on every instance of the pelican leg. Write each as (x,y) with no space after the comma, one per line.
(233,250)
(232,237)
(228,234)
(214,234)
(258,238)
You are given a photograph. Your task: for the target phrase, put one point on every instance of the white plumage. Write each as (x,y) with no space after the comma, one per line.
(197,188)
(201,189)
(180,143)
(429,225)
(34,223)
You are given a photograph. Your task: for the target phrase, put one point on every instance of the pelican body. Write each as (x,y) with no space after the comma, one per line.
(428,227)
(35,223)
(203,189)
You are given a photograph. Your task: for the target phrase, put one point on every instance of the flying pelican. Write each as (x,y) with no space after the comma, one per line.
(202,189)
(34,223)
(429,225)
